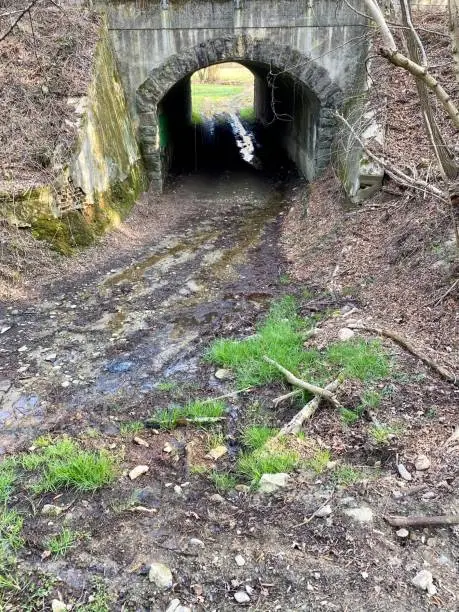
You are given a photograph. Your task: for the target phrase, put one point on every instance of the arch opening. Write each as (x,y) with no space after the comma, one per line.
(293,102)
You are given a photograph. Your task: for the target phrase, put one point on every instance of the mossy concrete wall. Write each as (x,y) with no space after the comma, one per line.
(104,177)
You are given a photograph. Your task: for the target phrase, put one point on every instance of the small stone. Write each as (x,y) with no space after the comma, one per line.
(242,488)
(197,543)
(141,441)
(422,463)
(323,512)
(364,575)
(65,384)
(240,561)
(431,542)
(5,385)
(269,483)
(138,471)
(217,452)
(250,590)
(424,581)
(193,286)
(50,357)
(222,374)
(345,334)
(50,510)
(22,349)
(217,498)
(176,606)
(361,515)
(167,448)
(58,606)
(402,533)
(241,597)
(161,575)
(404,472)
(178,490)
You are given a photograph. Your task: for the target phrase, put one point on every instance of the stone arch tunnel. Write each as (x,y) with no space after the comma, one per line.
(315,48)
(290,90)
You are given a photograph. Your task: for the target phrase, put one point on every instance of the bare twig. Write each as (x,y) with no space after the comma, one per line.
(423,521)
(406,344)
(18,19)
(314,514)
(283,398)
(298,382)
(440,299)
(295,424)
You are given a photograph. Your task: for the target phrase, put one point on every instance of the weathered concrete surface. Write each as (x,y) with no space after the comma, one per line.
(319,47)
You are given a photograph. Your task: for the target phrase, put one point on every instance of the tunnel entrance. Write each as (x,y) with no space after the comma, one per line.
(293,102)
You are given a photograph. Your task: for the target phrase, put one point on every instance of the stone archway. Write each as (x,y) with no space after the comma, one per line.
(250,52)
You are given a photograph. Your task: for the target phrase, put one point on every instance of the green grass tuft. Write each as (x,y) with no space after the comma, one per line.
(319,462)
(131,427)
(223,481)
(346,475)
(382,434)
(61,543)
(280,337)
(82,471)
(198,411)
(10,534)
(255,436)
(361,359)
(253,465)
(7,480)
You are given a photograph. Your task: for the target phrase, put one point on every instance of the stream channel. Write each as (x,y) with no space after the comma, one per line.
(102,345)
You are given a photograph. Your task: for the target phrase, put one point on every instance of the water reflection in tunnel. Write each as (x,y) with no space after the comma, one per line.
(236,115)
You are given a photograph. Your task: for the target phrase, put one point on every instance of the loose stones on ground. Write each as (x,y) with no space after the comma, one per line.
(241,597)
(422,463)
(138,471)
(270,483)
(160,575)
(176,606)
(361,515)
(424,581)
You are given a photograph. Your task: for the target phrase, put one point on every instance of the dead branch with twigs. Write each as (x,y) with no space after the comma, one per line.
(324,393)
(410,347)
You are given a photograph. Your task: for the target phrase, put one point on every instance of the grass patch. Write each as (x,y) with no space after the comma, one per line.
(361,359)
(10,535)
(198,411)
(381,434)
(346,475)
(247,113)
(61,543)
(131,427)
(223,481)
(280,337)
(253,465)
(167,385)
(319,462)
(256,436)
(7,480)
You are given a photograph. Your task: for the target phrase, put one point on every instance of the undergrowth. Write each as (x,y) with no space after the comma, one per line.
(201,412)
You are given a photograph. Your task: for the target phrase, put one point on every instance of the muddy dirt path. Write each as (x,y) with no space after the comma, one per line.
(109,339)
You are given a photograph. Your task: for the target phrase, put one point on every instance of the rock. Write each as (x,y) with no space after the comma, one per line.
(50,510)
(5,385)
(222,374)
(193,286)
(65,384)
(141,441)
(269,483)
(241,597)
(242,488)
(58,606)
(402,533)
(217,498)
(176,606)
(197,543)
(217,452)
(404,472)
(50,357)
(361,515)
(240,561)
(422,463)
(168,448)
(323,512)
(160,575)
(138,471)
(424,581)
(178,490)
(345,334)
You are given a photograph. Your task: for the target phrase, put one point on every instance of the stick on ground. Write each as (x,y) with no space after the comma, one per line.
(298,382)
(406,344)
(423,521)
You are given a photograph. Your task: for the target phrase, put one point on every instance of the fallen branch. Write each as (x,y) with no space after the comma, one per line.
(295,424)
(314,514)
(440,299)
(283,398)
(422,521)
(298,382)
(406,344)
